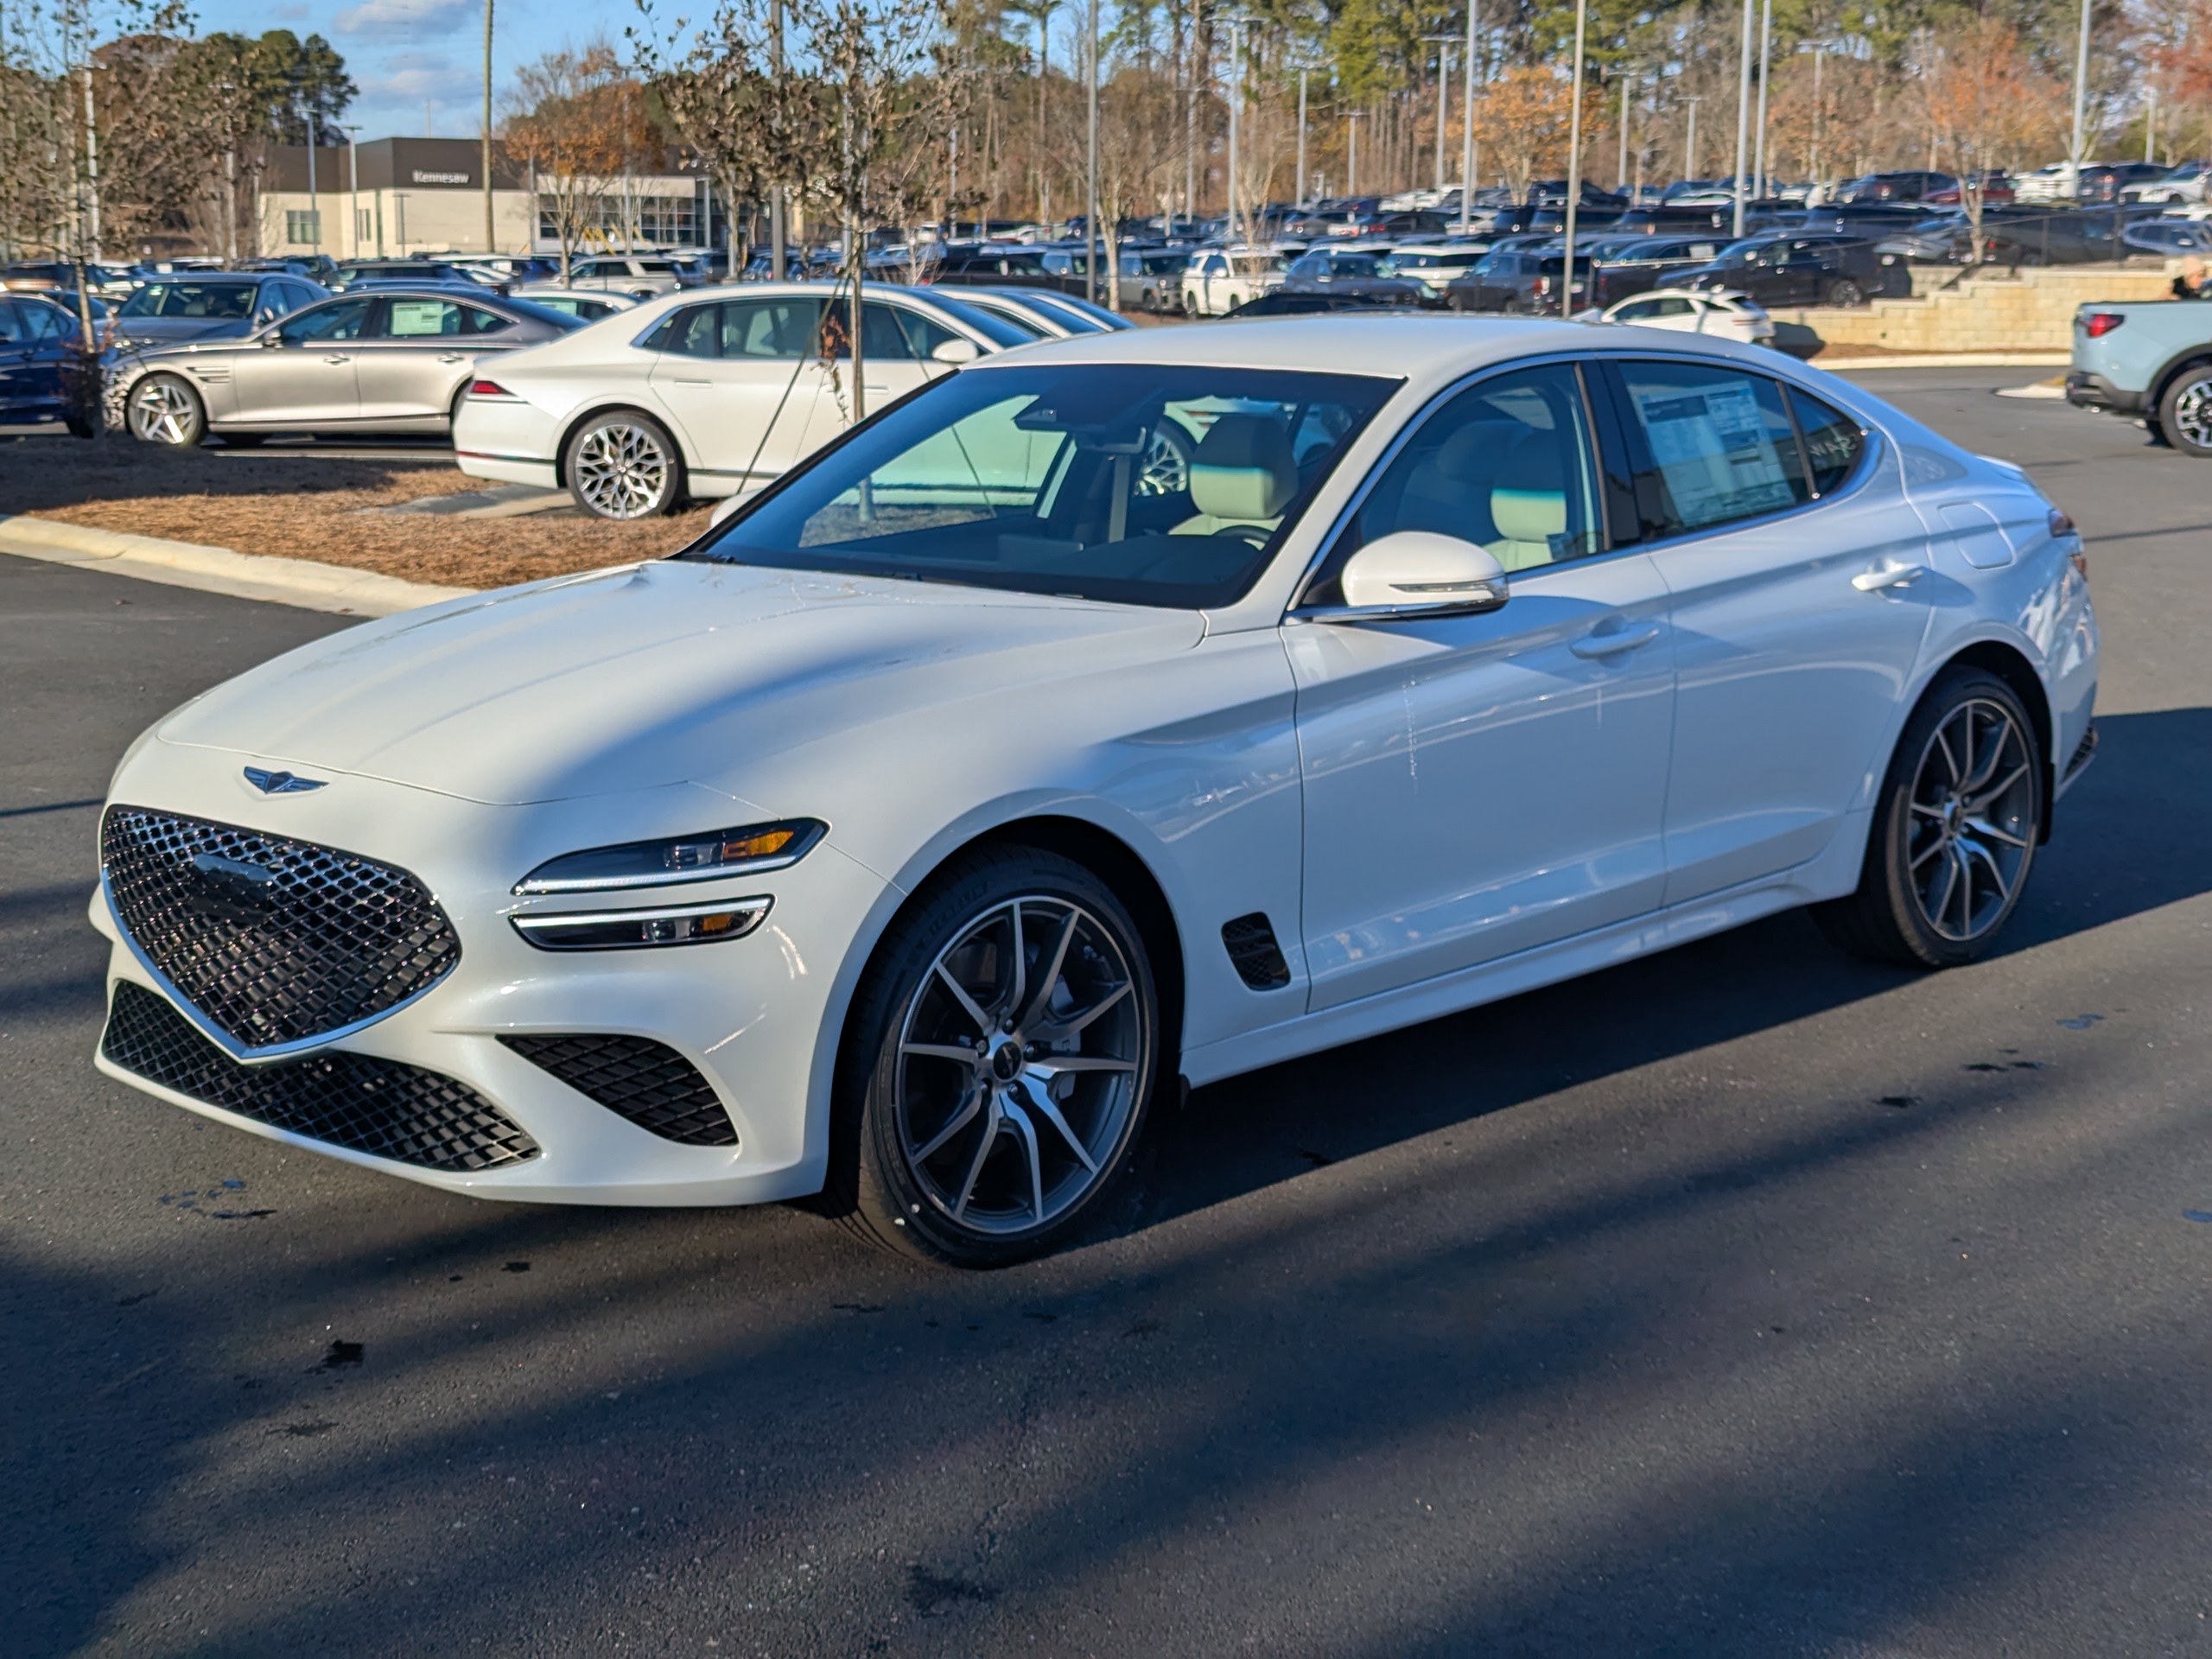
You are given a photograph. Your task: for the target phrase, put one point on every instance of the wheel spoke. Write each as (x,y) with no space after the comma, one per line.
(942,1051)
(977,1093)
(1928,852)
(1020,970)
(990,1138)
(1983,827)
(1994,744)
(1050,977)
(1053,1065)
(1060,1031)
(1985,798)
(1964,871)
(1042,1100)
(1951,761)
(1942,906)
(1026,1132)
(966,1002)
(1973,850)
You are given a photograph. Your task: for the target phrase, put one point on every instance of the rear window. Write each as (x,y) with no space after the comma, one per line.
(1834,442)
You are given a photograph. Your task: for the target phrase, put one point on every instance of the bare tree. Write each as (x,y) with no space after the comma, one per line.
(577,120)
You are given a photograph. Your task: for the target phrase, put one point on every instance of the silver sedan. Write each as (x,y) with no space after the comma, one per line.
(386,361)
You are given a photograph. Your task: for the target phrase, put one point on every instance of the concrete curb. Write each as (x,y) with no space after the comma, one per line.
(304,583)
(1946,361)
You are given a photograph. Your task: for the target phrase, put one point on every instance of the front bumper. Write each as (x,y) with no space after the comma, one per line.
(2086,391)
(750,1014)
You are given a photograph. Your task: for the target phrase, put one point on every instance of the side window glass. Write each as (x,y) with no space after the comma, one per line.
(694,332)
(13,331)
(422,319)
(1719,442)
(773,328)
(892,333)
(1507,463)
(1834,442)
(476,322)
(339,320)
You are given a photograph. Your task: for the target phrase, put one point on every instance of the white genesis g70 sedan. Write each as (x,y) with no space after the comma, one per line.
(908,835)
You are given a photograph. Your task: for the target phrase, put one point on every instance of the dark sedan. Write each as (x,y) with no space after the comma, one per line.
(1648,262)
(38,363)
(383,361)
(1783,269)
(1337,270)
(1521,280)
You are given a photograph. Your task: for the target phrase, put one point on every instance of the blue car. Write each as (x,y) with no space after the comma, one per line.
(38,363)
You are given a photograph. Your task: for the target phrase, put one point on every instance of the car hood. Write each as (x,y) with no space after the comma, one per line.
(649,674)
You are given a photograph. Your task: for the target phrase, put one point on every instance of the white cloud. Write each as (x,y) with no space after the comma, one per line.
(406,20)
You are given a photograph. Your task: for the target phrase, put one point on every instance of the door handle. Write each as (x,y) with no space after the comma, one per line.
(693,382)
(453,357)
(340,358)
(1601,645)
(1889,577)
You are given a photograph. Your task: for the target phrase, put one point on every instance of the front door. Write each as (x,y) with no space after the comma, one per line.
(1802,596)
(740,377)
(1480,785)
(309,374)
(896,343)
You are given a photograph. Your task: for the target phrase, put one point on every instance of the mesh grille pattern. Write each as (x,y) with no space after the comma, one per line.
(1253,952)
(649,1083)
(273,940)
(356,1101)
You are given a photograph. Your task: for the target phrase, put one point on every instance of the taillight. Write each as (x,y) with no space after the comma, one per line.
(487,389)
(2102,323)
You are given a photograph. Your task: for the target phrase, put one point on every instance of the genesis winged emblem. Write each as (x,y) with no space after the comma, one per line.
(280,783)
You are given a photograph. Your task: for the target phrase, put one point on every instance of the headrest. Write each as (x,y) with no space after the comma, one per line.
(1472,454)
(1244,469)
(1533,507)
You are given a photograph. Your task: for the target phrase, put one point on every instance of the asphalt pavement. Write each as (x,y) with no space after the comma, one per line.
(1748,1301)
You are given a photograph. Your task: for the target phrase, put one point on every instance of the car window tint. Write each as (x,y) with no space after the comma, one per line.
(1507,463)
(1719,441)
(776,328)
(476,321)
(892,333)
(337,319)
(1834,442)
(51,322)
(15,327)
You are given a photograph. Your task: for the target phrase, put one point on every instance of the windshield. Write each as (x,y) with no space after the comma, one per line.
(224,302)
(1129,483)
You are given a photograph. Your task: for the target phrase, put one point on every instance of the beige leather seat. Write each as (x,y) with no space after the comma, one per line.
(1243,473)
(1528,506)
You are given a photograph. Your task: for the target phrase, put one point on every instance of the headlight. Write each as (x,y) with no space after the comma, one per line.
(623,929)
(710,855)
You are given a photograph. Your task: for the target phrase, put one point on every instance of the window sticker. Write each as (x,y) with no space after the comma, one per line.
(1713,446)
(417,317)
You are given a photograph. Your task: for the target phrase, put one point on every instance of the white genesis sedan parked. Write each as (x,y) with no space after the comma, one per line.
(907,836)
(707,392)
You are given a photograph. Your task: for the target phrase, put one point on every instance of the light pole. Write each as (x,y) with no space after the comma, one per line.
(1352,119)
(1628,78)
(1301,137)
(1574,160)
(353,194)
(1743,114)
(1467,120)
(1091,207)
(1690,143)
(1236,24)
(491,237)
(1766,41)
(1443,43)
(314,201)
(2080,104)
(779,228)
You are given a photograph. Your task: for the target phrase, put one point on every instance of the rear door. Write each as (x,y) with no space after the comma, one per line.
(421,353)
(740,378)
(896,341)
(1800,596)
(21,395)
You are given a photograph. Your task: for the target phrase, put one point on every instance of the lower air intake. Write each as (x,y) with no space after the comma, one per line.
(649,1083)
(354,1101)
(1253,953)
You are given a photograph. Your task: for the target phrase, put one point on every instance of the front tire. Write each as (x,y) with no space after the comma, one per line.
(164,409)
(2185,411)
(624,465)
(1954,831)
(1844,291)
(1001,1053)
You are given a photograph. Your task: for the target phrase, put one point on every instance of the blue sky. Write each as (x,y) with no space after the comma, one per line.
(402,54)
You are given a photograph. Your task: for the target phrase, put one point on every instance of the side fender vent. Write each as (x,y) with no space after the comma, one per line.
(1253,953)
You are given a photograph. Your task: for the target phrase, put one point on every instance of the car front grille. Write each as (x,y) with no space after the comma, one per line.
(272,941)
(649,1083)
(355,1101)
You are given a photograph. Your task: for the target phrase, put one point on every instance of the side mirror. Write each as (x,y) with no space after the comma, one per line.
(1412,573)
(956,351)
(273,337)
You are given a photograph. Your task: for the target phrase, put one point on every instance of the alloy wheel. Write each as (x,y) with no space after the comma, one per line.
(1972,827)
(2192,412)
(621,471)
(1165,468)
(161,412)
(1021,1059)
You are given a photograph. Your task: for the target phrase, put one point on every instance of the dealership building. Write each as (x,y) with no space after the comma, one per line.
(394,196)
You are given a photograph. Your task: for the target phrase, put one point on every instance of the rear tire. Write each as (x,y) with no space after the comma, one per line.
(1844,291)
(1954,837)
(623,465)
(979,1143)
(2185,411)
